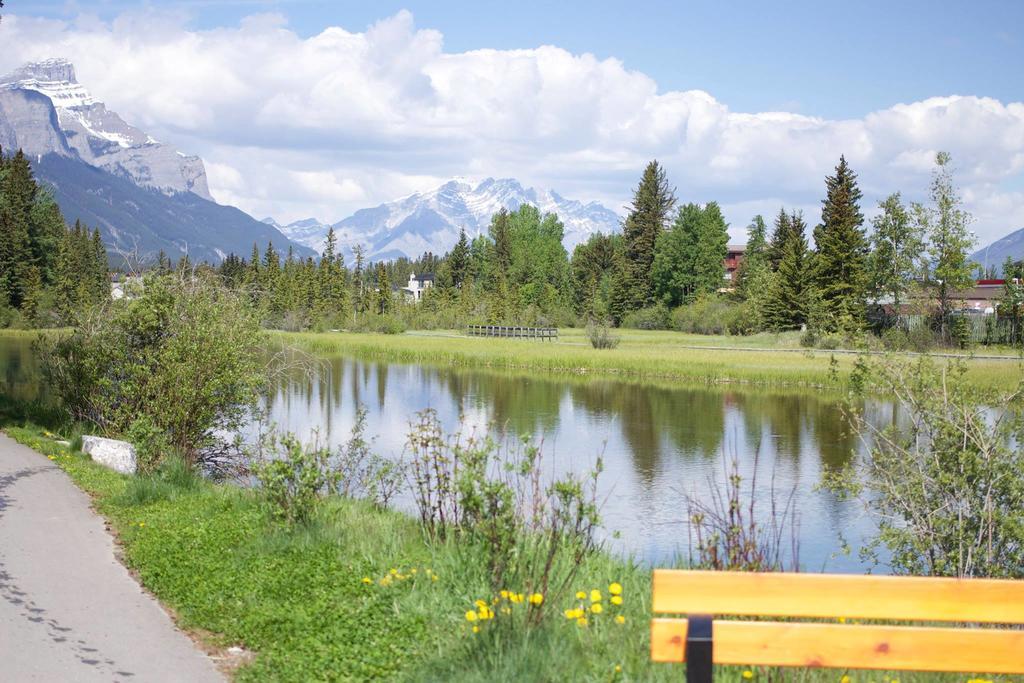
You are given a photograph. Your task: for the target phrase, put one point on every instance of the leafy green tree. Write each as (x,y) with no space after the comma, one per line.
(674,270)
(593,265)
(711,250)
(786,305)
(945,224)
(897,244)
(841,250)
(653,201)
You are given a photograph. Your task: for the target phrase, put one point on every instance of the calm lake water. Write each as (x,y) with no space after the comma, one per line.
(659,442)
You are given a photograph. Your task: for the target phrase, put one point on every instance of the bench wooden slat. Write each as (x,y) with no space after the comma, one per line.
(769,643)
(828,596)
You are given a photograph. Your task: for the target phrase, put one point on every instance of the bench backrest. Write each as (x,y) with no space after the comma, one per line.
(702,594)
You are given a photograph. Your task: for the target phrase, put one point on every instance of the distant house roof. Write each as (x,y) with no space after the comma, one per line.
(736,248)
(425,277)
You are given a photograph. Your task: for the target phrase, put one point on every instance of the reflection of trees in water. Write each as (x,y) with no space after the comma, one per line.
(19,369)
(519,405)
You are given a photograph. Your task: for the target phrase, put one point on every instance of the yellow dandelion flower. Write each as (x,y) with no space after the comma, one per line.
(570,614)
(481,604)
(367,579)
(618,668)
(582,621)
(485,612)
(616,599)
(615,589)
(596,608)
(414,570)
(393,572)
(142,524)
(434,577)
(581,595)
(620,619)
(595,595)
(748,674)
(476,629)
(844,679)
(504,595)
(536,599)
(471,616)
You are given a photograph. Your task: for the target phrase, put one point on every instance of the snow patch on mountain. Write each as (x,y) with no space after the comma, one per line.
(103,139)
(431,221)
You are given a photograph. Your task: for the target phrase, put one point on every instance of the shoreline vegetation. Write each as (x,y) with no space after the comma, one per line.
(657,356)
(362,593)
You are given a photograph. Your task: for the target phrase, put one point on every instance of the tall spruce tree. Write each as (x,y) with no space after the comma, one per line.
(653,201)
(383,304)
(755,258)
(458,260)
(17,196)
(786,305)
(841,251)
(780,233)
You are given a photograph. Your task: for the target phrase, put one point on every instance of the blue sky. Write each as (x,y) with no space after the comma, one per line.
(828,59)
(318,108)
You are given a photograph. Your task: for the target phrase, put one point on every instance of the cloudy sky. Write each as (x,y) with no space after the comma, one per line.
(317,108)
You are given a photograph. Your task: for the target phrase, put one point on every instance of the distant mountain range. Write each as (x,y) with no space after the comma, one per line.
(143,195)
(995,254)
(431,221)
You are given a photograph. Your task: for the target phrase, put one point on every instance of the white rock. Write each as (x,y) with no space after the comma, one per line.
(117,455)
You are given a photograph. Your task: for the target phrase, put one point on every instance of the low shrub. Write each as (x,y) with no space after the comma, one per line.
(652,318)
(716,315)
(601,336)
(895,339)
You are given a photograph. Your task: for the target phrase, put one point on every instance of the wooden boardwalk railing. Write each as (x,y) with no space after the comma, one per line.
(517,332)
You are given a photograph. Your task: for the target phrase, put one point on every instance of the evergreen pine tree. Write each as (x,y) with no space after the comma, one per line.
(99,275)
(458,260)
(755,257)
(780,234)
(841,250)
(786,305)
(383,305)
(652,202)
(17,195)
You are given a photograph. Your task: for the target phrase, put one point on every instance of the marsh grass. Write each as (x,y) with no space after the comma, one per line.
(767,360)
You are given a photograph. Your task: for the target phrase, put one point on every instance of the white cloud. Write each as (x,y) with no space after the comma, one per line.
(294,126)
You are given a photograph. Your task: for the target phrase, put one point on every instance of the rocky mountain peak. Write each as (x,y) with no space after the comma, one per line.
(53,70)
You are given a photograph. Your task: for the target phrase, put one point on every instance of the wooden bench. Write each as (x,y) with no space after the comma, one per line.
(701,640)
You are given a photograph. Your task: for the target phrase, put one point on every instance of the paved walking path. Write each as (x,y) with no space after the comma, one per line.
(69,611)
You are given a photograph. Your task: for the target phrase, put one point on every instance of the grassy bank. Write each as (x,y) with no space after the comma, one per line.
(766,360)
(361,593)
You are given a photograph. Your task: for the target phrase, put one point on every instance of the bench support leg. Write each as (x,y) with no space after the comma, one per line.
(698,648)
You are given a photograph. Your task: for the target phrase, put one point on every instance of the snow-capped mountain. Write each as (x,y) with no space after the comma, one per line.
(103,139)
(431,221)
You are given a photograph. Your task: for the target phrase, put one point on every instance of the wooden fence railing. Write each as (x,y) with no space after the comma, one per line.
(542,333)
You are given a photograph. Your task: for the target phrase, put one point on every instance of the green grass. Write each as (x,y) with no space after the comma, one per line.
(296,597)
(767,360)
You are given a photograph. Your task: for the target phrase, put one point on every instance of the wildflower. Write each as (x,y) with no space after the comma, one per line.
(515,597)
(504,595)
(748,674)
(367,579)
(616,599)
(485,612)
(414,570)
(433,577)
(595,595)
(393,572)
(581,622)
(620,619)
(842,620)
(570,614)
(615,589)
(476,629)
(580,595)
(470,616)
(536,599)
(844,679)
(481,604)
(596,608)
(506,610)
(618,668)
(142,524)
